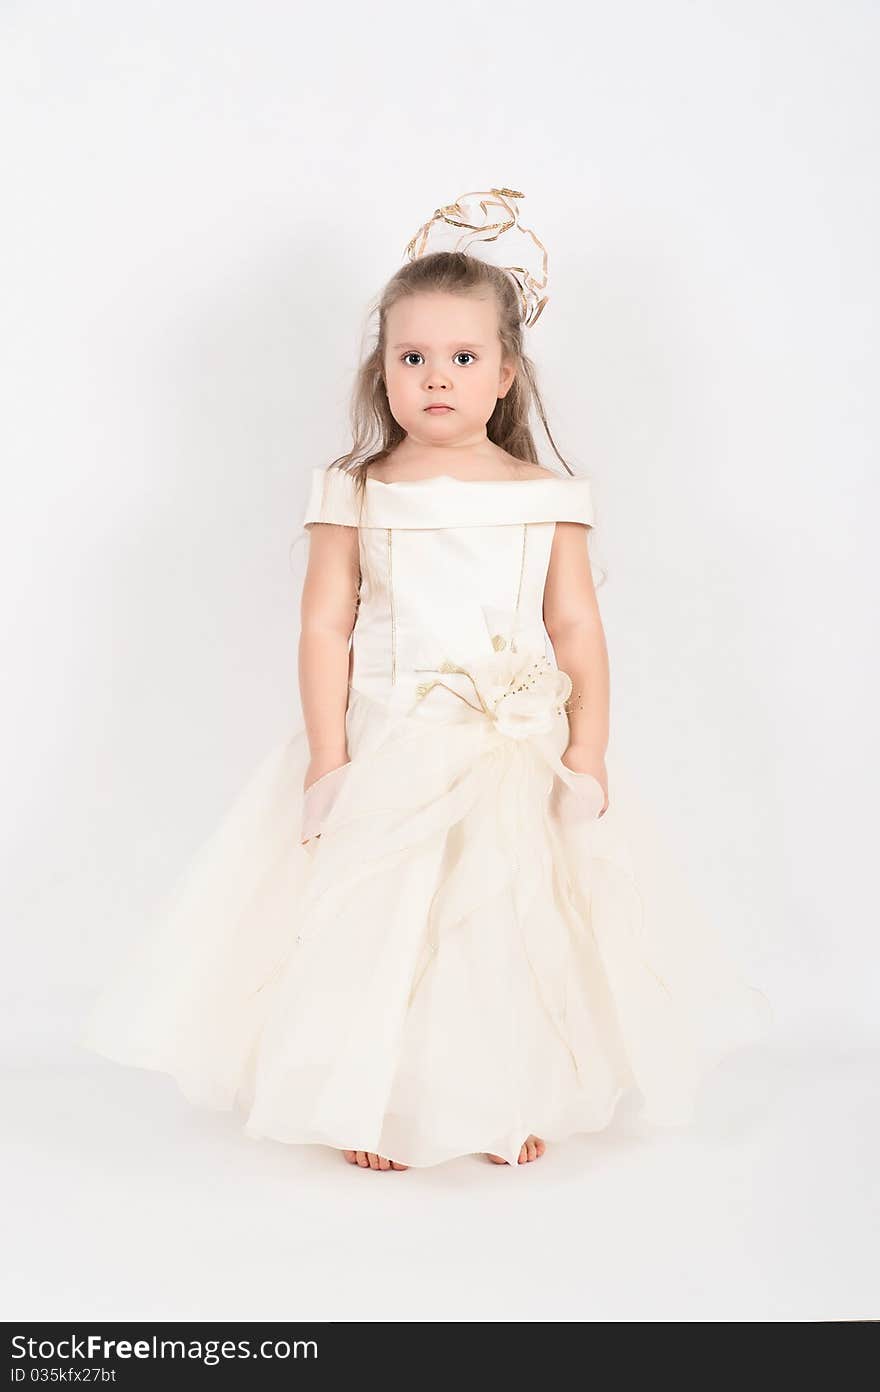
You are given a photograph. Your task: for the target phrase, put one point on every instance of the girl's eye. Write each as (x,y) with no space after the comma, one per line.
(463,354)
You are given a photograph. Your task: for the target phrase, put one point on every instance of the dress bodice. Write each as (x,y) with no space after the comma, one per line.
(451,569)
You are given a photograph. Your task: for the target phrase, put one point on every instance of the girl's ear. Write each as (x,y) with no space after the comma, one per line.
(505,380)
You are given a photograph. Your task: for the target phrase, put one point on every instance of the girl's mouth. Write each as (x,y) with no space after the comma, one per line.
(437,410)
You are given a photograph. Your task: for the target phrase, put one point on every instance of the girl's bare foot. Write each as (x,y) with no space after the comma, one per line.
(370,1161)
(531,1148)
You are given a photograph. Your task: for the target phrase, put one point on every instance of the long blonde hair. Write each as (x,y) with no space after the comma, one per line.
(375,432)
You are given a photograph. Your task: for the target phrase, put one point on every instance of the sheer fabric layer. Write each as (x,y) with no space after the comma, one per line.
(459,958)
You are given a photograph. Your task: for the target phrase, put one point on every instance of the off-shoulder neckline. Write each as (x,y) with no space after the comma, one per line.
(452,478)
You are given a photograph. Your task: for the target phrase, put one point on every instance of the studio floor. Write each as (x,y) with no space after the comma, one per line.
(124,1202)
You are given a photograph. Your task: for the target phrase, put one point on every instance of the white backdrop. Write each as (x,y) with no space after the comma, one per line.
(201,202)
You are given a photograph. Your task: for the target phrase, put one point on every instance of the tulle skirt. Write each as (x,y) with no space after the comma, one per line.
(467,953)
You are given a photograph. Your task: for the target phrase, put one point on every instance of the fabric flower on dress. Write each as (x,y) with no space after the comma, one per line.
(520,692)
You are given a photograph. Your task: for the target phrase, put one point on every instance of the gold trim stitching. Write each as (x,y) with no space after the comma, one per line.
(522,567)
(393,613)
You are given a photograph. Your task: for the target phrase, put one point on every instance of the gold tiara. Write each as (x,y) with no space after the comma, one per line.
(529,286)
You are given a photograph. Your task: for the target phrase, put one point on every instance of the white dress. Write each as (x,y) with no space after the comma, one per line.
(466,953)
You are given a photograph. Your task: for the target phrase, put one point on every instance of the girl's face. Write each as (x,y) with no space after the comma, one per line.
(443,350)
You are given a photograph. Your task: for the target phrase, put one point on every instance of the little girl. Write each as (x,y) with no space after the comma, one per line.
(418,934)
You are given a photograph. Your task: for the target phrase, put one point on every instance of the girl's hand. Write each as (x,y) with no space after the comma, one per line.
(322,763)
(323,779)
(581,758)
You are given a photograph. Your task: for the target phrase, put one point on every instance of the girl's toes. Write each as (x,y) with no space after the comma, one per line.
(351,1156)
(374,1160)
(384,1163)
(497,1159)
(531,1148)
(363,1161)
(395,1166)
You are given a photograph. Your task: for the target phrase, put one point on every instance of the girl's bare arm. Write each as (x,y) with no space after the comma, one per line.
(574,626)
(327,614)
